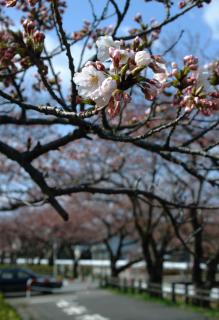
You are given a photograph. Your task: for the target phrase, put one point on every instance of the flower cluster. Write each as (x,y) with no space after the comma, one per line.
(11,55)
(107,82)
(8,50)
(39,11)
(196,87)
(34,38)
(15,47)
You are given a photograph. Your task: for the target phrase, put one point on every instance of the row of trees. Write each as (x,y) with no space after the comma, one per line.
(128,227)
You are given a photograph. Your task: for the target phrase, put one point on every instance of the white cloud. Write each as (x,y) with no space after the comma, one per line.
(211,17)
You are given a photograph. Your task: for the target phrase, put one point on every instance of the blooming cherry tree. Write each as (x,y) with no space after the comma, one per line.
(126,93)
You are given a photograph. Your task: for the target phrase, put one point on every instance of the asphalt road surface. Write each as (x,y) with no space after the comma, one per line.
(94,304)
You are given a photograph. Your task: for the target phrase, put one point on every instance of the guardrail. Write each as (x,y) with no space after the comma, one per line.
(176,291)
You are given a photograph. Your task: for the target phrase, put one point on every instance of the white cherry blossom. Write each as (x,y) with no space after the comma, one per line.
(88,80)
(102,95)
(119,57)
(103,45)
(142,58)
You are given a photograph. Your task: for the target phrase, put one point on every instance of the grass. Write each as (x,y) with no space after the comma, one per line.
(208,313)
(7,312)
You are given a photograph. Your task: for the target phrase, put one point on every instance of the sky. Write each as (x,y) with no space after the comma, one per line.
(197,20)
(201,26)
(204,21)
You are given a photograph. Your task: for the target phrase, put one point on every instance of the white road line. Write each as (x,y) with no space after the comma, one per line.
(62,304)
(75,310)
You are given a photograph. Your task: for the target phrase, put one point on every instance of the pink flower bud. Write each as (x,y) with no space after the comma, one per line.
(29,26)
(76,35)
(99,66)
(182,4)
(138,17)
(136,43)
(115,55)
(38,36)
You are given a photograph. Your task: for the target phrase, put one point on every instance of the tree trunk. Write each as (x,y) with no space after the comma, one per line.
(155,279)
(13,258)
(197,274)
(212,271)
(2,257)
(75,269)
(210,280)
(155,272)
(113,270)
(51,260)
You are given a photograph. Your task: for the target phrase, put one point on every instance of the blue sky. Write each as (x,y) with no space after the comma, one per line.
(204,21)
(201,26)
(199,23)
(196,21)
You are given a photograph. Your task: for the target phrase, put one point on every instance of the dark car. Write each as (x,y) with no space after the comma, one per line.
(12,280)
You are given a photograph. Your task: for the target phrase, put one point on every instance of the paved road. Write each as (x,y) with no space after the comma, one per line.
(94,304)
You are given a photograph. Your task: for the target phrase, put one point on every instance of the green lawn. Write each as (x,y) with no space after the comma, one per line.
(6,311)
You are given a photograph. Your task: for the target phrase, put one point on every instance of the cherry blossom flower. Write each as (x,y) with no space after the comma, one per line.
(88,80)
(191,62)
(103,44)
(102,95)
(119,57)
